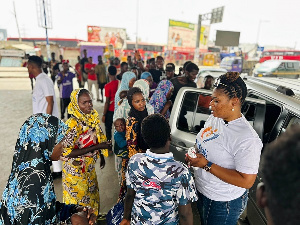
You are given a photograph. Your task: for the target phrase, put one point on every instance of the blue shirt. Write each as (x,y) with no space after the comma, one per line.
(120,147)
(161,185)
(66,87)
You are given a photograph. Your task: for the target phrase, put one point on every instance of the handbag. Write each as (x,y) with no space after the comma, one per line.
(115,214)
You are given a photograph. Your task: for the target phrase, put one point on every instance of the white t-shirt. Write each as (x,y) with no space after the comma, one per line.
(236,146)
(43,87)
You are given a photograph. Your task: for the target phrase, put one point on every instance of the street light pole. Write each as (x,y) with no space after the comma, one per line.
(137,25)
(258,30)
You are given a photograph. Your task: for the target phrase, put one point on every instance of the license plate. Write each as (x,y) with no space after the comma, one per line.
(259,75)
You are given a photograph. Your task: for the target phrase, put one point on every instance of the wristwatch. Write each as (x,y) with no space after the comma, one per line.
(207,166)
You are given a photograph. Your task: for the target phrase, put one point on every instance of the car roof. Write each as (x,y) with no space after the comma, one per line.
(215,69)
(283,90)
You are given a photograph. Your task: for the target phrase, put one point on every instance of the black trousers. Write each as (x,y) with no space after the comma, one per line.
(108,124)
(64,102)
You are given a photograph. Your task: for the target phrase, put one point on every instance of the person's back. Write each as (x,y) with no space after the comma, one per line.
(159,189)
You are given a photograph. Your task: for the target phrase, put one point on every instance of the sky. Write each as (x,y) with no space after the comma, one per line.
(279,24)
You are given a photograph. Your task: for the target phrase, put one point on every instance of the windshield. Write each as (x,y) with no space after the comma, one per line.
(227,61)
(269,64)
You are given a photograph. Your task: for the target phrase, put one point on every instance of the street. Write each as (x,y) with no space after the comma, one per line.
(16,107)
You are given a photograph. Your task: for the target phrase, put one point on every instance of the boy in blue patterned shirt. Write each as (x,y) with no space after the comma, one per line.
(159,189)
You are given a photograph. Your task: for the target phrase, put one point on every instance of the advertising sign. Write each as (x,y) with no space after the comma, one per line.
(204,35)
(108,35)
(182,36)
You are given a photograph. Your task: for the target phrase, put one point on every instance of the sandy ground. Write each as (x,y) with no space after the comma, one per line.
(16,107)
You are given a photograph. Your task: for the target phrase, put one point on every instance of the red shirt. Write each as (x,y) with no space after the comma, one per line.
(91,75)
(110,92)
(78,70)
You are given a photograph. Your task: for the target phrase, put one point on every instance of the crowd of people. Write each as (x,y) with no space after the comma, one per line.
(155,188)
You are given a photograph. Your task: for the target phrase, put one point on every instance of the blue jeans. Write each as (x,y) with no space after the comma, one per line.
(221,213)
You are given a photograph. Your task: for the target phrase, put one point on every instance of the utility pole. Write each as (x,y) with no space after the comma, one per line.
(46,28)
(45,20)
(137,25)
(15,13)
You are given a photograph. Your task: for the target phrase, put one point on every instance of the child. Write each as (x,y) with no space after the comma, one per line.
(122,95)
(120,146)
(159,189)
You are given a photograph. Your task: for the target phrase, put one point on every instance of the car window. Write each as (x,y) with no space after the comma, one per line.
(194,112)
(290,66)
(281,66)
(272,113)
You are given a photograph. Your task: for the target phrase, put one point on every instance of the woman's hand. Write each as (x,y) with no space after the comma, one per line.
(109,145)
(102,161)
(200,161)
(168,104)
(103,119)
(125,222)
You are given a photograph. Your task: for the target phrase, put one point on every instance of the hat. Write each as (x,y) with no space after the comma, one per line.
(170,67)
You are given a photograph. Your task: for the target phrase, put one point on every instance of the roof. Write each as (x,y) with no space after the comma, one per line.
(64,42)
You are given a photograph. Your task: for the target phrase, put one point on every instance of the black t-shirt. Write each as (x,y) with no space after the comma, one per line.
(177,85)
(82,62)
(156,74)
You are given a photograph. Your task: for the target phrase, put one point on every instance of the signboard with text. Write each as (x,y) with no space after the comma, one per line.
(182,36)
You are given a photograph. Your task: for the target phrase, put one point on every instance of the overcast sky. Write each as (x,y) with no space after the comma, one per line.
(280,18)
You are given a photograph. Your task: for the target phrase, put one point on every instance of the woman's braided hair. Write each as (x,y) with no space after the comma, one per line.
(233,85)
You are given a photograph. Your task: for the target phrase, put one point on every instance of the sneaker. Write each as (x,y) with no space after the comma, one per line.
(98,100)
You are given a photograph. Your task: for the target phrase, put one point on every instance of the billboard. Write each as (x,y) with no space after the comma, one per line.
(183,35)
(227,38)
(108,35)
(204,35)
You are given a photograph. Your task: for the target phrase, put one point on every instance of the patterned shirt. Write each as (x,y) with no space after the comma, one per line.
(161,184)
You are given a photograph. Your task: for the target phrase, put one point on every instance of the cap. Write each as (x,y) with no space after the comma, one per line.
(170,67)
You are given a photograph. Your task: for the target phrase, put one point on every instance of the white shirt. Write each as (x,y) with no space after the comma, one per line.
(236,146)
(43,88)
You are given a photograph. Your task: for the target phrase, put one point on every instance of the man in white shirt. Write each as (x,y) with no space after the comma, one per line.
(43,98)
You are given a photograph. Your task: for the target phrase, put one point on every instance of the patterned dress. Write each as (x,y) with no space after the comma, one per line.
(80,184)
(159,98)
(29,197)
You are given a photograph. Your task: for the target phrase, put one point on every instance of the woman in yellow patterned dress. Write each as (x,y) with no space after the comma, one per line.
(85,143)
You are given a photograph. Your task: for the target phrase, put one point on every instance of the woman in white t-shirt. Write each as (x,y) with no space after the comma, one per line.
(229,153)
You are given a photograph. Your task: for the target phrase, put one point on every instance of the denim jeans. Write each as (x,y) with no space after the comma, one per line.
(221,213)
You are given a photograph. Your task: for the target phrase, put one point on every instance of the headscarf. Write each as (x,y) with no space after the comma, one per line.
(159,98)
(91,120)
(124,108)
(29,196)
(145,75)
(139,116)
(127,76)
(144,86)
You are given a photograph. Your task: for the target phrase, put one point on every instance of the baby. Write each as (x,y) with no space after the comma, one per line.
(122,95)
(120,147)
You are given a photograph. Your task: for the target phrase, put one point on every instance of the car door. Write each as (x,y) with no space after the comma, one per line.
(190,112)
